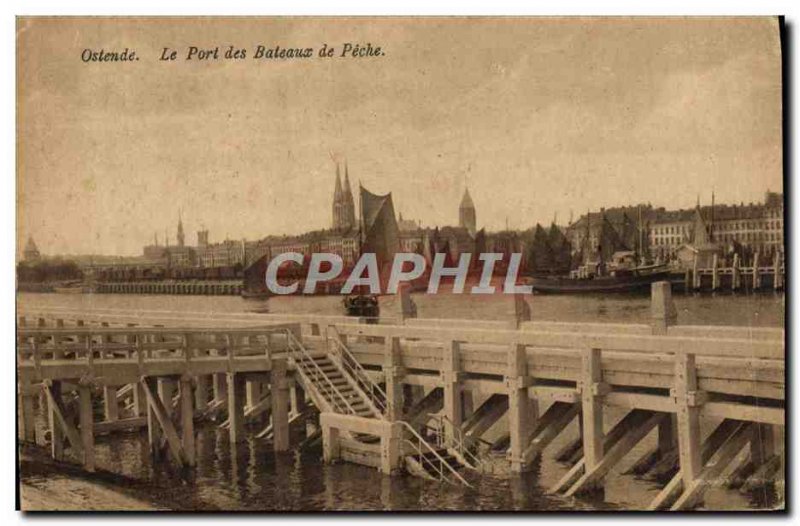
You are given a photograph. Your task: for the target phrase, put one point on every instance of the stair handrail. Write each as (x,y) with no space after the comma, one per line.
(418,446)
(294,345)
(360,375)
(459,442)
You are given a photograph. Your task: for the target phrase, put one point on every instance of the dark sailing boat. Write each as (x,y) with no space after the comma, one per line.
(377,233)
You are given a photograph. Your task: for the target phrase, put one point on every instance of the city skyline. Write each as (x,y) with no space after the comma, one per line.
(671,110)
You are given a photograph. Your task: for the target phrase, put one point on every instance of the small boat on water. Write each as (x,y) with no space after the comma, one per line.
(362,305)
(621,275)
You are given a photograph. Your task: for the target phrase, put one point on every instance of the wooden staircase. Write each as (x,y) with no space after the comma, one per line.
(337,383)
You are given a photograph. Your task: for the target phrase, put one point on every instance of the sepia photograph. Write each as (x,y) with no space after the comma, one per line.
(400,263)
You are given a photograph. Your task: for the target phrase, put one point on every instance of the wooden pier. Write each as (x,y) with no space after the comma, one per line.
(760,276)
(206,288)
(419,395)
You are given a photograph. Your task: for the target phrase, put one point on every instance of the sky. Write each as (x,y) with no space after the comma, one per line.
(541,118)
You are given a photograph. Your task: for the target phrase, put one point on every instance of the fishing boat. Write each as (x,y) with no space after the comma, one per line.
(633,280)
(621,275)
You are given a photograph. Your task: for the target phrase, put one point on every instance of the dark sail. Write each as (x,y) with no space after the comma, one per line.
(379,227)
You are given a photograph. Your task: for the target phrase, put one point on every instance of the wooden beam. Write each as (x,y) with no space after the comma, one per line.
(718,462)
(616,453)
(162,419)
(187,420)
(86,418)
(549,427)
(59,421)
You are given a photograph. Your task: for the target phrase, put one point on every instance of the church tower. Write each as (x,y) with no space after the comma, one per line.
(349,207)
(338,202)
(181,238)
(466,213)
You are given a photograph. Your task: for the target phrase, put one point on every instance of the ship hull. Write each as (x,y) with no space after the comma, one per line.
(598,285)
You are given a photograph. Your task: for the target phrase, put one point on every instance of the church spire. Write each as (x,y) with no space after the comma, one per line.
(337,192)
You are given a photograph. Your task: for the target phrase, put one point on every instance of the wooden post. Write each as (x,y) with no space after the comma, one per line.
(154,433)
(687,280)
(27,413)
(279,390)
(252,392)
(187,420)
(736,279)
(519,407)
(110,404)
(685,394)
(451,367)
(662,309)
(756,272)
(86,419)
(592,407)
(166,392)
(391,447)
(56,433)
(201,392)
(696,274)
(393,373)
(777,281)
(139,400)
(220,386)
(330,440)
(714,272)
(236,399)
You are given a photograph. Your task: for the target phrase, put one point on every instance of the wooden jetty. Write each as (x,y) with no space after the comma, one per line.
(760,276)
(401,395)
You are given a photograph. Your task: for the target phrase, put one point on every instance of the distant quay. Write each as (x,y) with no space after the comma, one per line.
(199,288)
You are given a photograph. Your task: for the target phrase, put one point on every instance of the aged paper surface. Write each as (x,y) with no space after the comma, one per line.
(311,263)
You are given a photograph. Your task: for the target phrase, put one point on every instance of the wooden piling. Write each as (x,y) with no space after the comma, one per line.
(86,419)
(236,399)
(696,276)
(201,391)
(592,390)
(688,416)
(110,404)
(279,391)
(393,373)
(714,272)
(520,415)
(756,272)
(450,372)
(777,280)
(56,432)
(187,420)
(736,277)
